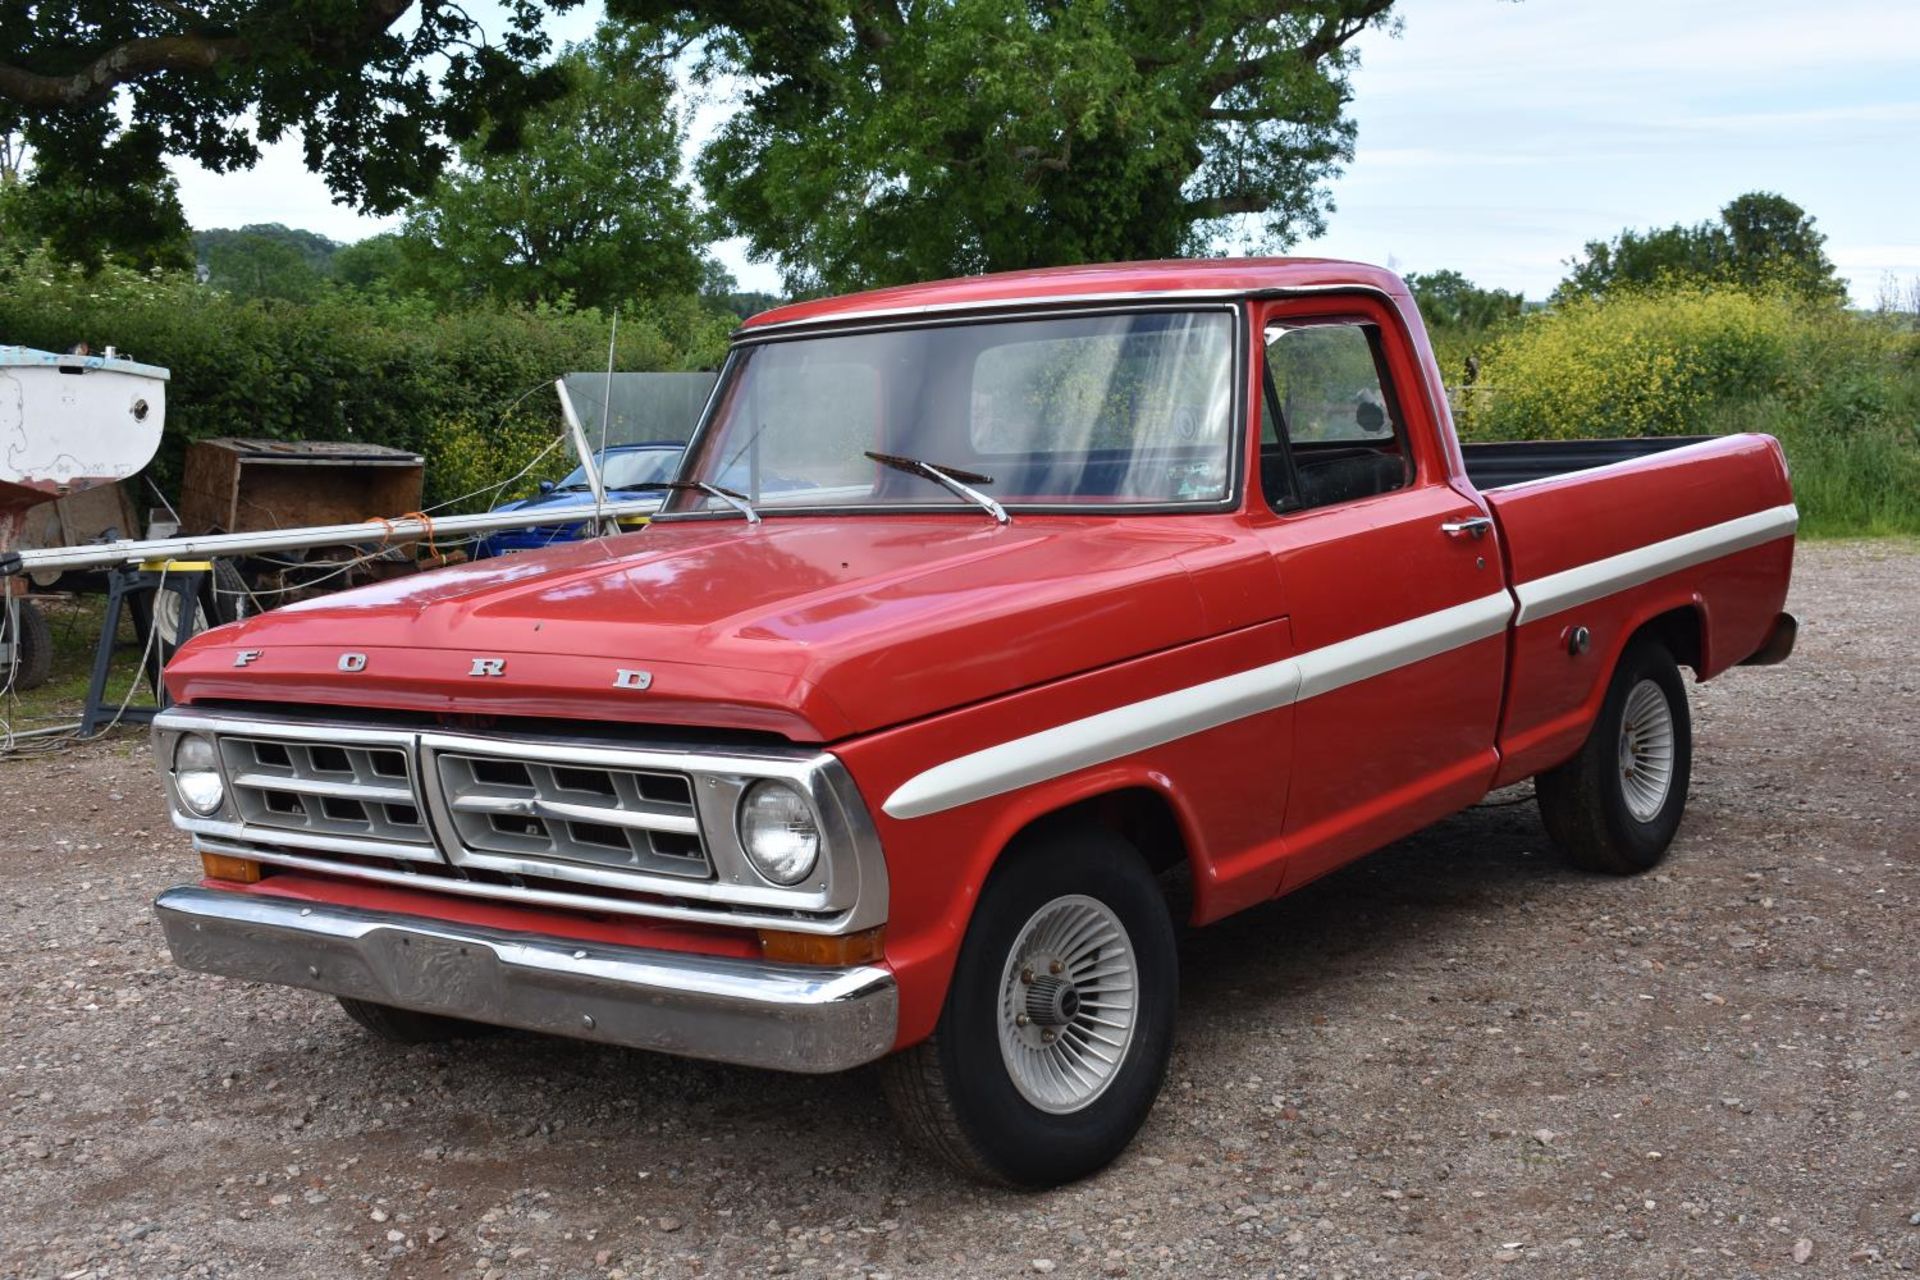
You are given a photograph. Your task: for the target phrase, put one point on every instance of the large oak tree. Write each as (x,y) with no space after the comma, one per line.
(377,91)
(887,140)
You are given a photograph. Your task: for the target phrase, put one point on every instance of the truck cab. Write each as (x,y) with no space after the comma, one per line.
(987,619)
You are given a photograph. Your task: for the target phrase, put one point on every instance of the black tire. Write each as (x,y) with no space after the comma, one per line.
(406,1026)
(1584,802)
(955,1095)
(33,653)
(222,598)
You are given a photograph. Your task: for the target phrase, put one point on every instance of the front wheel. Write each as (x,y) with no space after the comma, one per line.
(1616,806)
(1058,1022)
(410,1026)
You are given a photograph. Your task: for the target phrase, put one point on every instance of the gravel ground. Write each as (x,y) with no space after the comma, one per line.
(1453,1059)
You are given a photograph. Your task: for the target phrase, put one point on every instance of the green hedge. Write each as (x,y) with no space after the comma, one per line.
(1840,389)
(469,388)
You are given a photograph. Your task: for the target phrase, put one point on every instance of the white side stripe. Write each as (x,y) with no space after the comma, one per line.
(1583,583)
(1377,652)
(1095,739)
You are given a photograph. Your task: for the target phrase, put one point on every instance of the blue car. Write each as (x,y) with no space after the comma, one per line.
(628,471)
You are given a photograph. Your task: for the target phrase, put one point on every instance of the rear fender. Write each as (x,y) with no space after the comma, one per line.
(1583,677)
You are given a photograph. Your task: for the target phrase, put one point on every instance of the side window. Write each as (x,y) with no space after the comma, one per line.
(1330,425)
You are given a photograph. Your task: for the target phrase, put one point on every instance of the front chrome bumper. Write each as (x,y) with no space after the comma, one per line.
(782,1016)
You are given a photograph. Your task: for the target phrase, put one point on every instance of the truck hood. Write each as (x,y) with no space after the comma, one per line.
(811,628)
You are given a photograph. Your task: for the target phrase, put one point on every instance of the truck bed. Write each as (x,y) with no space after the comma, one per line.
(1497,464)
(1704,530)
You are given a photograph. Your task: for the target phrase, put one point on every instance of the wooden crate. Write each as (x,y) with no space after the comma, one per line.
(238,486)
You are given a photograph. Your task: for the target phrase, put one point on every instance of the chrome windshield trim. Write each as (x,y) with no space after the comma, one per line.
(1234,302)
(1050,305)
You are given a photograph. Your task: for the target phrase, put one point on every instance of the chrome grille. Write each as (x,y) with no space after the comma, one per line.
(619,819)
(630,830)
(346,790)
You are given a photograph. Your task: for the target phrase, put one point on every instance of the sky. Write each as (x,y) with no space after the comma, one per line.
(1496,138)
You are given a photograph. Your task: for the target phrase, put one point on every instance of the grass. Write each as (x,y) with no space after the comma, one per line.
(1839,389)
(1848,485)
(75,623)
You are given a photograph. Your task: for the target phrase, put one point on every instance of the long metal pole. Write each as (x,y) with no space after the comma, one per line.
(215,545)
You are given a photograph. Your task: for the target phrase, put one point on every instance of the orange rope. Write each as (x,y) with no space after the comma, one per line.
(386,530)
(426,520)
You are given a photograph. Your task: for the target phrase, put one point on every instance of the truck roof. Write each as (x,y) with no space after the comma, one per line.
(1107,281)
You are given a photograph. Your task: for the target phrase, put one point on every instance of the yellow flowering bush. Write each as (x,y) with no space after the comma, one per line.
(1639,363)
(1839,388)
(472,457)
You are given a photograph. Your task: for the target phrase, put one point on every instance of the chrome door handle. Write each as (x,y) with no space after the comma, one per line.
(1469,527)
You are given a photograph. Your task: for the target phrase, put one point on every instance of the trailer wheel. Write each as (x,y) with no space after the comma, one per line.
(25,627)
(408,1026)
(1616,806)
(221,599)
(1058,1022)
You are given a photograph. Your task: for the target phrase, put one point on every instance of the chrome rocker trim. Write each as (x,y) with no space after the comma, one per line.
(751,1012)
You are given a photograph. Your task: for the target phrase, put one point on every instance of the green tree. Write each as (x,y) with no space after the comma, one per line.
(1448,299)
(128,213)
(377,263)
(1760,240)
(104,90)
(592,204)
(880,141)
(266,260)
(1769,239)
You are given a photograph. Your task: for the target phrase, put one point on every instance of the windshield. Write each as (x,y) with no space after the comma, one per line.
(629,469)
(1095,410)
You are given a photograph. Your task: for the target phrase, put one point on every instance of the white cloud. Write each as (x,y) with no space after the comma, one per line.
(1497,138)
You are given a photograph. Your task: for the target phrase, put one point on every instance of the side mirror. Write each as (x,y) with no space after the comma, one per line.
(546,487)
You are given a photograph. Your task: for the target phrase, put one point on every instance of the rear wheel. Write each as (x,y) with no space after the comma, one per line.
(407,1026)
(1058,1022)
(1617,805)
(25,628)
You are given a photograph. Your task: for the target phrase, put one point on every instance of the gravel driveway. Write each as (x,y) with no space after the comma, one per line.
(1454,1059)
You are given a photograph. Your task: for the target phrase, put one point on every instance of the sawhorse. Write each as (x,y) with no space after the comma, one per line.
(182,578)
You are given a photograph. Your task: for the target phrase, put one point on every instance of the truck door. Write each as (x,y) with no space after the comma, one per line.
(1392,577)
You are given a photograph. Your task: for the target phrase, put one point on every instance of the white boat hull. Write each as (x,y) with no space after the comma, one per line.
(71,422)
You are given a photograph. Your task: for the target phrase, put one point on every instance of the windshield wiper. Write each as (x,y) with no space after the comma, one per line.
(948,478)
(738,501)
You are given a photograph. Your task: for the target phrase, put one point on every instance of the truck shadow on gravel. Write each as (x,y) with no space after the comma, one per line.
(1274,964)
(1395,905)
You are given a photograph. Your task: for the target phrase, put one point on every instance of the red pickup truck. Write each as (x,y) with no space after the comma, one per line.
(987,619)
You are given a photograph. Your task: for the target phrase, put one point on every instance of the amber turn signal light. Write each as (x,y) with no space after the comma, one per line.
(219,866)
(813,948)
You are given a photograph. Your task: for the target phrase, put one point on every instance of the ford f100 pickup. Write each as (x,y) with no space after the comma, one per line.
(987,618)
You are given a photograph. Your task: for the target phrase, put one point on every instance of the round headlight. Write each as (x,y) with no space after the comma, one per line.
(196,775)
(779,832)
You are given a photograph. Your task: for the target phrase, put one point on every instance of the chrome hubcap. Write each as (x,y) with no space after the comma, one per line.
(1646,750)
(166,616)
(1068,1004)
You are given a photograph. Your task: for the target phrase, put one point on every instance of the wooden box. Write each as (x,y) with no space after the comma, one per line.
(238,486)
